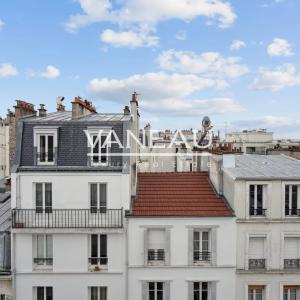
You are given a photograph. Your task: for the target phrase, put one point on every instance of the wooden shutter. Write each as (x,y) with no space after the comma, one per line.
(256,247)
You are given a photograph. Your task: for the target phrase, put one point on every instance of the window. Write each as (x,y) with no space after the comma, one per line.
(256,199)
(257,253)
(291,200)
(43,197)
(200,290)
(290,292)
(98,249)
(156,245)
(256,293)
(44,250)
(156,290)
(45,148)
(98,293)
(201,246)
(99,151)
(98,197)
(44,293)
(292,252)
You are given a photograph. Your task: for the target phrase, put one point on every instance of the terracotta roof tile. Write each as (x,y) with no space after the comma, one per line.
(178,194)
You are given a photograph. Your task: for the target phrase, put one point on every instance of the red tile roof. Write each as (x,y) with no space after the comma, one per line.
(178,194)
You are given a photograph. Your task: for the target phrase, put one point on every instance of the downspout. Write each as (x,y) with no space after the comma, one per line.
(126,260)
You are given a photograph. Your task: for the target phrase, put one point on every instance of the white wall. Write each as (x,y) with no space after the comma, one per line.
(179,272)
(4,149)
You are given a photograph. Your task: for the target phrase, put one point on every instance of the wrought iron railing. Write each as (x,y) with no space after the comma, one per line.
(98,260)
(156,254)
(67,218)
(257,211)
(257,263)
(204,256)
(43,261)
(295,212)
(292,263)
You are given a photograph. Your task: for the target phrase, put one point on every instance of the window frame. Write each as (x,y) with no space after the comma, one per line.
(201,290)
(200,242)
(100,207)
(290,186)
(39,209)
(156,289)
(45,291)
(46,238)
(99,249)
(255,206)
(99,296)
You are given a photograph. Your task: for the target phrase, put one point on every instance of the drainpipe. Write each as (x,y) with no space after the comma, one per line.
(126,260)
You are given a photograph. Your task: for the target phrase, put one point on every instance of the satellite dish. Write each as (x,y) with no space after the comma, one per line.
(206,122)
(59,100)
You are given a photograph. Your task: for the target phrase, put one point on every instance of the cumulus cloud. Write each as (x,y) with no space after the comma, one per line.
(280,47)
(168,93)
(237,45)
(50,73)
(276,79)
(149,13)
(1,24)
(129,38)
(208,63)
(7,70)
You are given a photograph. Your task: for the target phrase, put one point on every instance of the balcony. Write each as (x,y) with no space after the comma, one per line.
(257,263)
(204,256)
(257,212)
(98,260)
(67,218)
(293,263)
(294,212)
(156,255)
(43,261)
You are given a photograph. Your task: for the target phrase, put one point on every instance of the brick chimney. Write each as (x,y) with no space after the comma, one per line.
(42,111)
(22,109)
(126,110)
(81,108)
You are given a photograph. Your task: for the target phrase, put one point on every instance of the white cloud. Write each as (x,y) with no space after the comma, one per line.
(1,24)
(164,93)
(276,79)
(7,70)
(180,35)
(50,73)
(149,13)
(280,47)
(208,63)
(237,45)
(129,38)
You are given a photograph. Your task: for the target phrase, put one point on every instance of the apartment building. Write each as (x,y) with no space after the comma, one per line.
(69,196)
(264,193)
(181,240)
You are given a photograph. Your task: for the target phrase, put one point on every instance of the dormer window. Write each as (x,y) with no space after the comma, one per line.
(45,143)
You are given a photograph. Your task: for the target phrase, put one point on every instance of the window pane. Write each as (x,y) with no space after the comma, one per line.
(205,241)
(160,295)
(287,199)
(40,242)
(103,249)
(48,197)
(103,293)
(39,197)
(95,149)
(103,198)
(94,197)
(40,293)
(251,196)
(94,293)
(259,196)
(42,153)
(94,248)
(151,295)
(50,148)
(204,295)
(151,285)
(294,197)
(49,246)
(49,294)
(160,285)
(103,150)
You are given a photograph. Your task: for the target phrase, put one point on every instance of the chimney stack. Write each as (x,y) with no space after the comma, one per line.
(42,111)
(59,101)
(81,108)
(126,110)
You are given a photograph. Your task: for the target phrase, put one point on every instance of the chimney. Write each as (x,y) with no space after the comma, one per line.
(59,101)
(81,108)
(42,111)
(23,109)
(126,110)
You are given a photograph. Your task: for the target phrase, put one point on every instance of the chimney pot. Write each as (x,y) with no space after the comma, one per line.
(42,111)
(126,110)
(82,107)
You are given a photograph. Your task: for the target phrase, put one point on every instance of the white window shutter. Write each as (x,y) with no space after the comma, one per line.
(167,290)
(213,290)
(167,246)
(190,246)
(213,237)
(146,238)
(291,247)
(144,290)
(190,290)
(256,247)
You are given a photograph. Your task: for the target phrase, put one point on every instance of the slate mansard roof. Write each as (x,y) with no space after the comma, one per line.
(178,194)
(264,167)
(72,147)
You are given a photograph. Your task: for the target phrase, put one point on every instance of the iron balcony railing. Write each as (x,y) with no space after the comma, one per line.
(257,263)
(98,260)
(292,263)
(295,212)
(204,256)
(156,254)
(43,261)
(257,212)
(67,218)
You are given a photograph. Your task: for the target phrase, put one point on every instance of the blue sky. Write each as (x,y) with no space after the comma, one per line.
(236,61)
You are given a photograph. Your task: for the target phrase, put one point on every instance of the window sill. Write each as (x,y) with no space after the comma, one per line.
(42,268)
